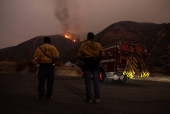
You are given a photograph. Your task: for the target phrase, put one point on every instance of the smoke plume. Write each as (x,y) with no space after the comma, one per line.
(62,14)
(67,13)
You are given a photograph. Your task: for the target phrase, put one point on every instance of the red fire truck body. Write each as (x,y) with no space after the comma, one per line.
(114,63)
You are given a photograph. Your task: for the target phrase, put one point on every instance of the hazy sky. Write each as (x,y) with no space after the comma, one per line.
(21,20)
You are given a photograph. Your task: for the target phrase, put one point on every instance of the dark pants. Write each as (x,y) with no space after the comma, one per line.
(91,67)
(46,70)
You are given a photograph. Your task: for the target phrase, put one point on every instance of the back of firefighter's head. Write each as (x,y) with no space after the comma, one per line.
(47,40)
(90,36)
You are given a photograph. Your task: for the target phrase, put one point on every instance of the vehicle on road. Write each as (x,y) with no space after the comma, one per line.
(123,61)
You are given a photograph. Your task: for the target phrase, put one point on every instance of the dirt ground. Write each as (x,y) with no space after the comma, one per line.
(156,77)
(11,67)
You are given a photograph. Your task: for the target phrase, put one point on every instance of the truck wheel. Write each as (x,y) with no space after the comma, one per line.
(125,79)
(102,74)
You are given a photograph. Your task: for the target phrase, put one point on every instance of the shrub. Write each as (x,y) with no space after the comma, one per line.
(20,66)
(158,63)
(26,65)
(59,63)
(167,69)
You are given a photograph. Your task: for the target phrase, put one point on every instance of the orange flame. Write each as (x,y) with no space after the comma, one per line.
(66,36)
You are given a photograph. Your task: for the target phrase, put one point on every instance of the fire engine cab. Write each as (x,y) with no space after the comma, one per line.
(123,61)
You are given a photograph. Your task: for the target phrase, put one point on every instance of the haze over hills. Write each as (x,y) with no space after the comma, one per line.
(27,49)
(155,37)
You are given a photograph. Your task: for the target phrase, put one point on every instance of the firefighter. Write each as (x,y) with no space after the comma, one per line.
(91,53)
(45,57)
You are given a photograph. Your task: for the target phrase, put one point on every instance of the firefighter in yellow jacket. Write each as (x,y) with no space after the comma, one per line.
(45,57)
(91,53)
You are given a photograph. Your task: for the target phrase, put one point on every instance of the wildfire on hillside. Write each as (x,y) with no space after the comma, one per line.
(69,36)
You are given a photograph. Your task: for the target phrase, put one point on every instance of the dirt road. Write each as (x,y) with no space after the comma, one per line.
(18,94)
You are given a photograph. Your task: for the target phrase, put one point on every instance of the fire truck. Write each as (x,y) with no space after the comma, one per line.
(123,62)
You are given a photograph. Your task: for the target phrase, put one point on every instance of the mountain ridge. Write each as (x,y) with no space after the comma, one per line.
(155,38)
(26,50)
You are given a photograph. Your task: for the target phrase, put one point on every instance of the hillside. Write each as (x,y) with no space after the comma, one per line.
(155,38)
(27,49)
(131,32)
(161,49)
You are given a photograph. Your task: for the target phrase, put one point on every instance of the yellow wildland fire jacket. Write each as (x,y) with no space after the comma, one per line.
(50,54)
(91,49)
